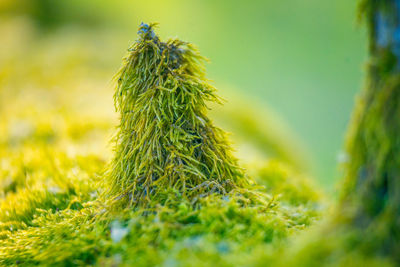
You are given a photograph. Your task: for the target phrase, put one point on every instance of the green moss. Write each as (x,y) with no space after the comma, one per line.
(371,190)
(228,230)
(196,208)
(285,183)
(165,138)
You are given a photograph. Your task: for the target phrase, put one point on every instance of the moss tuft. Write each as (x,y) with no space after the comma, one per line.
(165,139)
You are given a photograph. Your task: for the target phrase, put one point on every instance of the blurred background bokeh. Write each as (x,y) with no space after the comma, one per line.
(289,69)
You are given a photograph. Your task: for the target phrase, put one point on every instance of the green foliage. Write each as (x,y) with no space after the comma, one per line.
(165,138)
(227,230)
(55,200)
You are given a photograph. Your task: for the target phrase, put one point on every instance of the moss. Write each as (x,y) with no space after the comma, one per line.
(228,230)
(165,138)
(371,190)
(63,216)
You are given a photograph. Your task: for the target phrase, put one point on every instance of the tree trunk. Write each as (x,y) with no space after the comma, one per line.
(371,195)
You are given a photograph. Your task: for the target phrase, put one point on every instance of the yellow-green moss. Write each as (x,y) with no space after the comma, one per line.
(165,138)
(371,192)
(55,199)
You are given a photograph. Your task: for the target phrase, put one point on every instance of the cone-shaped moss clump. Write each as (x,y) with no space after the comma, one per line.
(165,139)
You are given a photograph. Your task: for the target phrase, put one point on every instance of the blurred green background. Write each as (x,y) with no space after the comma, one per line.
(301,61)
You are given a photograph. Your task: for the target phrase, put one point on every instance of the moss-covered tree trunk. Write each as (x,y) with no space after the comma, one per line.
(371,193)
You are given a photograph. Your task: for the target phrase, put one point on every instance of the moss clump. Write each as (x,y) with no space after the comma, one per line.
(165,139)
